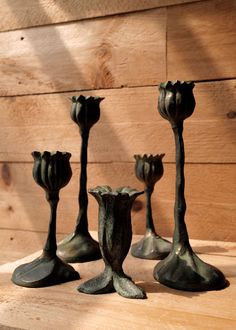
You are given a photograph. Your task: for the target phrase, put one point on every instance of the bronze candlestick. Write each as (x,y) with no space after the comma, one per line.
(115,234)
(149,170)
(80,246)
(182,269)
(52,172)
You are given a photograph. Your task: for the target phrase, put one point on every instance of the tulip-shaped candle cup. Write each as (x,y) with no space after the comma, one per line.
(182,269)
(115,234)
(149,170)
(52,172)
(80,246)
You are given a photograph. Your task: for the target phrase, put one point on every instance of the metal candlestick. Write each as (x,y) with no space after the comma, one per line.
(52,172)
(149,170)
(80,246)
(115,234)
(182,269)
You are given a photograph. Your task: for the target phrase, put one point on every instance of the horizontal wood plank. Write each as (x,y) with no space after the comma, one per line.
(214,101)
(17,14)
(201,40)
(41,121)
(204,182)
(204,220)
(106,52)
(165,308)
(17,244)
(90,54)
(209,141)
(210,198)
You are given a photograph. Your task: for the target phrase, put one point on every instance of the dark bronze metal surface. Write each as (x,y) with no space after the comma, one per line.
(80,246)
(149,170)
(115,234)
(52,172)
(182,269)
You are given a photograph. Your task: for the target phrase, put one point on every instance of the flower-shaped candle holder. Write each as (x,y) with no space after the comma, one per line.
(80,246)
(149,170)
(115,234)
(52,172)
(182,269)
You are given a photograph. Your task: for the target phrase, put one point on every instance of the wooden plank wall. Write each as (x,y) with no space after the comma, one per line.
(120,50)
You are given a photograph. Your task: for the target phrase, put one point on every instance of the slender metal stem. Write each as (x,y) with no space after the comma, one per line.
(180,232)
(82,219)
(50,246)
(149,219)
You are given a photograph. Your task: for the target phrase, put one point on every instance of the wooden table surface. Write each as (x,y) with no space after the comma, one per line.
(63,307)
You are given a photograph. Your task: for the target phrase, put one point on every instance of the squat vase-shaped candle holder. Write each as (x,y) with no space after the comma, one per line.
(182,269)
(80,246)
(52,172)
(149,170)
(115,234)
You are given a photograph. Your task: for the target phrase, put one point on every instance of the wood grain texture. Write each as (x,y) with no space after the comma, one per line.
(17,14)
(214,101)
(165,308)
(43,122)
(18,244)
(106,52)
(90,54)
(106,56)
(205,142)
(210,198)
(201,40)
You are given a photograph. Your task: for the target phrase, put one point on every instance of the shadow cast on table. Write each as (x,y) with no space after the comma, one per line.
(228,270)
(205,249)
(155,287)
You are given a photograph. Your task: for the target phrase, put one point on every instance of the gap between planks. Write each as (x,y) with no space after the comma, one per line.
(111,88)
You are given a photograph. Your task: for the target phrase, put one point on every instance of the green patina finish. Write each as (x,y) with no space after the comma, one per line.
(52,172)
(182,269)
(149,170)
(80,246)
(115,234)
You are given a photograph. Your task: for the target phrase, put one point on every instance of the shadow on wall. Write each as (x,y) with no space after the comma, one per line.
(201,41)
(178,51)
(200,46)
(55,79)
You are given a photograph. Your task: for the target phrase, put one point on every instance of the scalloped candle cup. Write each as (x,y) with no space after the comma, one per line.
(176,100)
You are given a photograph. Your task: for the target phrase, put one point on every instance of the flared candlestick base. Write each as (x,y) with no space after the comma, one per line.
(78,247)
(184,270)
(151,246)
(44,271)
(111,281)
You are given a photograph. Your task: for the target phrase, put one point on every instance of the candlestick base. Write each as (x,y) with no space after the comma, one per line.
(44,271)
(182,269)
(111,281)
(78,247)
(151,246)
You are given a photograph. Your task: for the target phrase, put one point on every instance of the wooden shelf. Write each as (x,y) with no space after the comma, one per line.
(63,307)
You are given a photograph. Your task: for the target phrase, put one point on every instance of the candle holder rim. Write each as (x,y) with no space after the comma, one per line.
(53,153)
(120,191)
(81,98)
(176,83)
(149,157)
